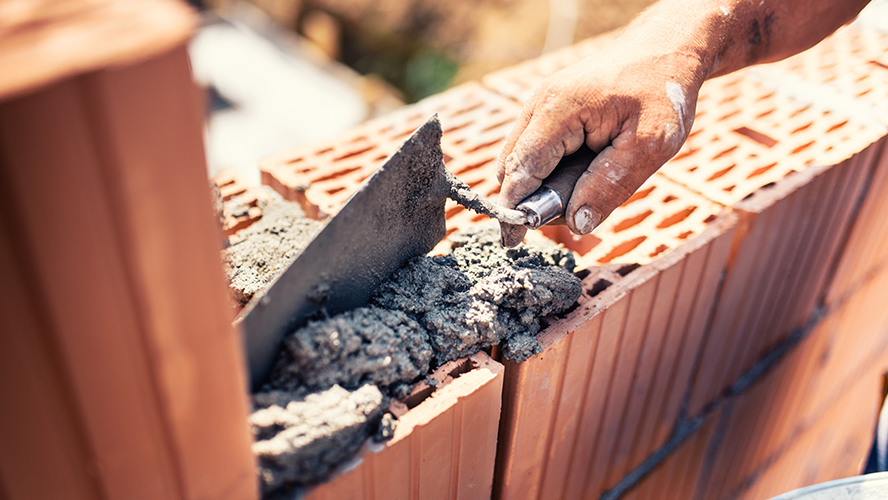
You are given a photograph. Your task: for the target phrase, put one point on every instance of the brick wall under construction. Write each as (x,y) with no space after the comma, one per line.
(731,339)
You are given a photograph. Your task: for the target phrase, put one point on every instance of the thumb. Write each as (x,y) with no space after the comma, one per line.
(609,181)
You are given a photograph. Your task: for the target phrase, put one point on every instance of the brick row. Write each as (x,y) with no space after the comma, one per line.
(443,447)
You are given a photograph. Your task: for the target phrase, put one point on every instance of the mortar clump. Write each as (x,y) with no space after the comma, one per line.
(264,250)
(298,440)
(364,345)
(483,294)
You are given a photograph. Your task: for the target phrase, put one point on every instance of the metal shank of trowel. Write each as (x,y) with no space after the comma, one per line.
(550,201)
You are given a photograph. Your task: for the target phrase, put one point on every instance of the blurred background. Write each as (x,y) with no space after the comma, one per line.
(282,73)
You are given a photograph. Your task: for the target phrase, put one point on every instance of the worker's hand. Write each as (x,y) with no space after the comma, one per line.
(634,105)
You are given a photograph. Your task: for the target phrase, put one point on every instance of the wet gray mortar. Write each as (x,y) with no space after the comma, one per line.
(318,406)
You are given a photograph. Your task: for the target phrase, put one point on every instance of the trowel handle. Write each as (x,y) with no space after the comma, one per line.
(550,201)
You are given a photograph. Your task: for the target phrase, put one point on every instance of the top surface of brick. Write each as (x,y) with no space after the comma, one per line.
(48,40)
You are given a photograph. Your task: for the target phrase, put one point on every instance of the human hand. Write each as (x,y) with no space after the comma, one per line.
(632,104)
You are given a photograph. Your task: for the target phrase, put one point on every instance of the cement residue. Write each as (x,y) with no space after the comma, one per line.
(299,440)
(365,345)
(265,249)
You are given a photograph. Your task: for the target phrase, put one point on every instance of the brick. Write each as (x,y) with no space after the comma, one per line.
(132,303)
(866,250)
(678,475)
(796,227)
(562,409)
(444,447)
(475,122)
(836,446)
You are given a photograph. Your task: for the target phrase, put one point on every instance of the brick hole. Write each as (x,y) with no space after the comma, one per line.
(479,217)
(865,92)
(692,169)
(474,166)
(657,251)
(497,125)
(803,127)
(759,171)
(686,153)
(730,188)
(764,113)
(626,269)
(305,170)
(457,127)
(766,96)
(295,160)
(799,111)
(386,129)
(599,286)
(323,151)
(709,219)
(721,173)
(694,133)
(451,212)
(632,221)
(685,235)
(361,179)
(582,273)
(622,249)
(861,78)
(640,195)
(450,231)
(335,175)
(447,157)
(358,139)
(729,115)
(335,190)
(676,217)
(466,109)
(878,64)
(493,191)
(669,198)
(226,183)
(724,153)
(801,148)
(475,183)
(828,149)
(354,153)
(380,157)
(485,145)
(459,141)
(728,99)
(755,135)
(403,134)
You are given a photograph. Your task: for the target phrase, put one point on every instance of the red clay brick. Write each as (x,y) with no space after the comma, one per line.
(119,258)
(443,448)
(559,406)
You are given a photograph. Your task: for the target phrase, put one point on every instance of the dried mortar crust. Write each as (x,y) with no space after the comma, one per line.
(300,439)
(259,253)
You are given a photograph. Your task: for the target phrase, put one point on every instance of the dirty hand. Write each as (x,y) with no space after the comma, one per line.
(632,105)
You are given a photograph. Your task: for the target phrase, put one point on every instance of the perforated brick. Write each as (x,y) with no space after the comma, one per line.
(475,121)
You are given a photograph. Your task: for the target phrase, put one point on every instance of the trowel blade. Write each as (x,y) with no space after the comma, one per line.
(397,214)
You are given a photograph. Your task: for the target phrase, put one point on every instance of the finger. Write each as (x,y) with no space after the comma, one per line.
(546,139)
(612,177)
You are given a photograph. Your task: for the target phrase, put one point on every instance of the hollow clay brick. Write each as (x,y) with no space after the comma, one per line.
(442,448)
(117,251)
(866,250)
(563,410)
(795,226)
(677,477)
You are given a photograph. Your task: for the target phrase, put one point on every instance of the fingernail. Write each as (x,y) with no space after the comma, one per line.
(586,219)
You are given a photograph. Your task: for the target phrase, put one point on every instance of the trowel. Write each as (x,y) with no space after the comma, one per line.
(397,214)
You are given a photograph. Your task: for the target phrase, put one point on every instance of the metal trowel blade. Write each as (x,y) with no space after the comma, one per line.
(398,213)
